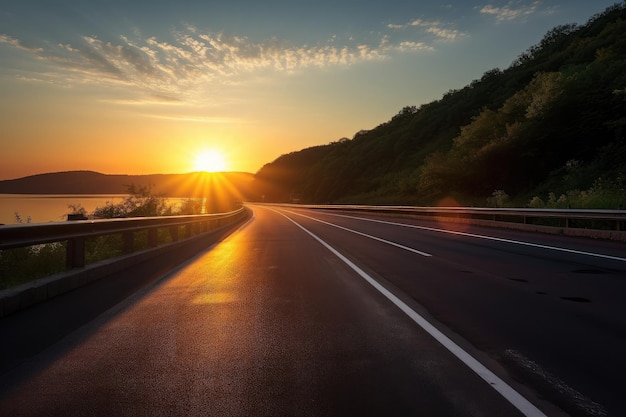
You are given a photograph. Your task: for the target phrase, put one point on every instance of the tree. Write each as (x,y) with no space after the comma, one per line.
(141,202)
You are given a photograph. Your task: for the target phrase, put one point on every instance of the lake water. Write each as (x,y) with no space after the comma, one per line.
(43,208)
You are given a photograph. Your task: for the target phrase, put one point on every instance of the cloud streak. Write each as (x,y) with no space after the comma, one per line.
(440,30)
(511,11)
(193,60)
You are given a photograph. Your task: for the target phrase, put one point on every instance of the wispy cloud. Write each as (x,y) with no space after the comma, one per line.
(18,44)
(441,31)
(194,60)
(513,10)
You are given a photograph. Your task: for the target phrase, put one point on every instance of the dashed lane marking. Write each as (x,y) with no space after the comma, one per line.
(388,242)
(497,239)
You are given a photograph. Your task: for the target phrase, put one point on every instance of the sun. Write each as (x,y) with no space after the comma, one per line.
(210,161)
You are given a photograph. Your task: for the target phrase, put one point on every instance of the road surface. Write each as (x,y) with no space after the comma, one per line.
(305,313)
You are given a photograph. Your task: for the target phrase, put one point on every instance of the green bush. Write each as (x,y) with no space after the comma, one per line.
(21,265)
(603,194)
(140,202)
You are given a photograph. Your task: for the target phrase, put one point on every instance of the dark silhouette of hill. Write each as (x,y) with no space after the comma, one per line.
(551,124)
(198,184)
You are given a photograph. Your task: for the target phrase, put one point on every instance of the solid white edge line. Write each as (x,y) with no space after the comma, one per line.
(497,239)
(504,389)
(388,242)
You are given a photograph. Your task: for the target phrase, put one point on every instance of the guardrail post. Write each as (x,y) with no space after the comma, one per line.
(174,233)
(75,253)
(153,239)
(128,242)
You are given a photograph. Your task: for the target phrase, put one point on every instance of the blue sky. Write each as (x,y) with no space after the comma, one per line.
(143,86)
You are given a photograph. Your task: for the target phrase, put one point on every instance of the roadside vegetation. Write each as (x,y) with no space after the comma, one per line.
(26,264)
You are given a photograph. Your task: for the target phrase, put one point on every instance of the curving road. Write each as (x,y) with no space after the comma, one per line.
(306,313)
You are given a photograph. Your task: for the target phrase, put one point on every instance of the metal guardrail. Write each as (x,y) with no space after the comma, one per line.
(75,232)
(521,215)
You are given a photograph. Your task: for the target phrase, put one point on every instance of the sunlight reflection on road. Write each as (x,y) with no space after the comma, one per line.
(215,298)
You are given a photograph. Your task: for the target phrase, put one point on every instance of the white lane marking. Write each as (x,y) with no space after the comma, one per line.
(512,396)
(363,234)
(497,239)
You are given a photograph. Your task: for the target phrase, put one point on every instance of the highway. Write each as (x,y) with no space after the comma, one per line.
(312,313)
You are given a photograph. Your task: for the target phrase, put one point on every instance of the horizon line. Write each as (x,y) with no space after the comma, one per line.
(126,175)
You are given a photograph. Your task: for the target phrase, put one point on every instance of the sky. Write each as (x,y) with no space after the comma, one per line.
(151,86)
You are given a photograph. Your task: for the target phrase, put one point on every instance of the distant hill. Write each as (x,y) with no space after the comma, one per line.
(236,184)
(548,130)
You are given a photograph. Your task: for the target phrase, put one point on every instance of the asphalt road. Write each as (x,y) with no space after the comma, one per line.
(308,313)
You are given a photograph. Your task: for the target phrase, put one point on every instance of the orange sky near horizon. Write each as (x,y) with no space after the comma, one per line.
(95,132)
(141,139)
(111,138)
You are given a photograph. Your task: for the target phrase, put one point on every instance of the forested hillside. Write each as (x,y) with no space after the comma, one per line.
(548,130)
(236,185)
